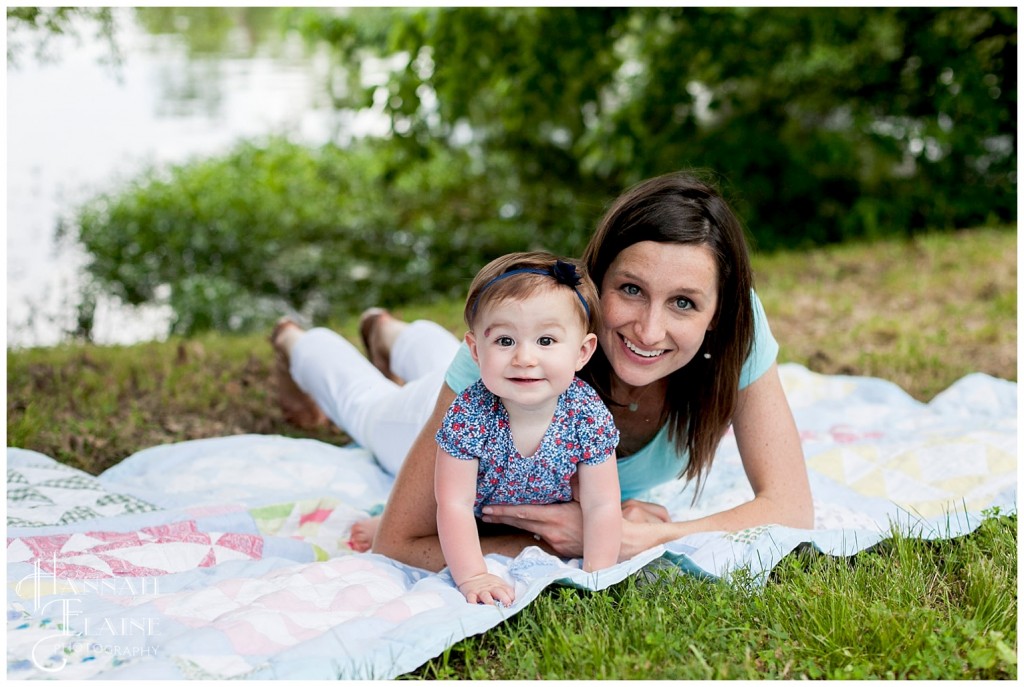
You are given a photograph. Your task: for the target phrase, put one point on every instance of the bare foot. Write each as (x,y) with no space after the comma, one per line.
(361,539)
(297,406)
(378,329)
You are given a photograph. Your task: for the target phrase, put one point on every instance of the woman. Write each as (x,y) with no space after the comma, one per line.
(684,351)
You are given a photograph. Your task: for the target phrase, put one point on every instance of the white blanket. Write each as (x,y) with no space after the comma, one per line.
(228,558)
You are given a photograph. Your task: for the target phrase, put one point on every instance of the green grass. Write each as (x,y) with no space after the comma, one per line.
(921,313)
(910,609)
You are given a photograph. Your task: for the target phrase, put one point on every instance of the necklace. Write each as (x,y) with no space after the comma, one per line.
(634,405)
(644,393)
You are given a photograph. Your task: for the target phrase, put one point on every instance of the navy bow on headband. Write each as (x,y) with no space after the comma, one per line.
(565,273)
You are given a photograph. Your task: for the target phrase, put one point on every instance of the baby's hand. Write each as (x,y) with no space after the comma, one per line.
(487,589)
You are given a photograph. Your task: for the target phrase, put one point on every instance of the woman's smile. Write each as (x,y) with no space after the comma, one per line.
(641,352)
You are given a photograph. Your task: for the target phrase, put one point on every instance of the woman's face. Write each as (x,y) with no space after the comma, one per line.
(657,301)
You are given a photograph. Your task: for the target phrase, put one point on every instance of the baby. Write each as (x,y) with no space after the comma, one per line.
(522,432)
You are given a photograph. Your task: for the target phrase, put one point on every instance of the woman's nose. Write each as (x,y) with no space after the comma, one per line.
(650,327)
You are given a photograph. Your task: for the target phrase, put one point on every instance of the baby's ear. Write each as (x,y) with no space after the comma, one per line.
(587,349)
(471,342)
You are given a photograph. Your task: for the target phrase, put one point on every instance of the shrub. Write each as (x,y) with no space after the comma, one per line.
(228,242)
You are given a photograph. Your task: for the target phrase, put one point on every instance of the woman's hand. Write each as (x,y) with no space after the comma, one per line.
(642,511)
(560,525)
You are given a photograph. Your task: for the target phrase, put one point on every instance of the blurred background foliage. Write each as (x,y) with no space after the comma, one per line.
(33,28)
(514,128)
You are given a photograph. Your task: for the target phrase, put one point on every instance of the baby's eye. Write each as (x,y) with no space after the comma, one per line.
(505,341)
(545,341)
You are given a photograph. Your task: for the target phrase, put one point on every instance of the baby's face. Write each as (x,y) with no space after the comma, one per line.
(530,349)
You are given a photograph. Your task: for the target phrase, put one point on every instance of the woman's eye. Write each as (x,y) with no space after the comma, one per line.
(505,341)
(684,303)
(545,341)
(630,289)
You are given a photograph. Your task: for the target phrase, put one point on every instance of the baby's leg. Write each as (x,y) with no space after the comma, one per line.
(363,532)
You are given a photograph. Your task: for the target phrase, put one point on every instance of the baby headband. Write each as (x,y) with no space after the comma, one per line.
(562,272)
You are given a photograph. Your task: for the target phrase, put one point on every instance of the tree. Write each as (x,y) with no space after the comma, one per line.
(826,123)
(512,129)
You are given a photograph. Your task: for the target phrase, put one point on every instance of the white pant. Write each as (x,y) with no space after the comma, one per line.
(377,413)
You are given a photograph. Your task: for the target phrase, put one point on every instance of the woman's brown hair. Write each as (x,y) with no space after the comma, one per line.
(681,208)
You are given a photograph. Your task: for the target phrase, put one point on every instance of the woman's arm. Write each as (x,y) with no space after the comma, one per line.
(602,514)
(773,460)
(408,526)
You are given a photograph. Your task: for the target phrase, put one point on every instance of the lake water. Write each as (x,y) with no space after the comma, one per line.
(76,127)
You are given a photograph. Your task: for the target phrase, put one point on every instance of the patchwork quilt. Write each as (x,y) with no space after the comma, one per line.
(229,558)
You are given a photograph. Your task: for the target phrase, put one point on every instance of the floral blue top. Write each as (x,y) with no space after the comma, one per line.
(476,427)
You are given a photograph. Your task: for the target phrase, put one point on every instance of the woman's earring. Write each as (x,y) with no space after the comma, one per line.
(707,356)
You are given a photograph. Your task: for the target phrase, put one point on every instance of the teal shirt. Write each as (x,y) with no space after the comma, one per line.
(658,461)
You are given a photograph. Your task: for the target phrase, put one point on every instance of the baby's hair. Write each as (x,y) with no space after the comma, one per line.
(519,275)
